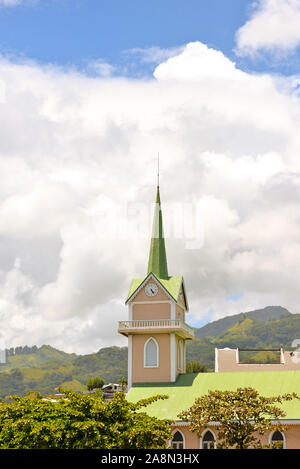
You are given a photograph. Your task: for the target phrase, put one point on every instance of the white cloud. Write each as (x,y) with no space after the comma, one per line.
(274,26)
(73,149)
(101,68)
(154,54)
(198,62)
(11,3)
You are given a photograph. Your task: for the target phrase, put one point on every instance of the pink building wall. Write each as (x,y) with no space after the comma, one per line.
(193,441)
(227,360)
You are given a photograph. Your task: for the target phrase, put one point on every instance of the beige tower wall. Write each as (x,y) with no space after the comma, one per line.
(151,311)
(180,314)
(145,308)
(140,374)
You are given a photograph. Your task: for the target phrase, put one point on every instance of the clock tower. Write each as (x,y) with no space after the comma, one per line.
(156,329)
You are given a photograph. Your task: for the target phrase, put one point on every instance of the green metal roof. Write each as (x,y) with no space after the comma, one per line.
(188,387)
(157,257)
(172,285)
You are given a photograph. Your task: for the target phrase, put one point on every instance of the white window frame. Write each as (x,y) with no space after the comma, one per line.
(180,354)
(271,436)
(157,353)
(202,436)
(183,438)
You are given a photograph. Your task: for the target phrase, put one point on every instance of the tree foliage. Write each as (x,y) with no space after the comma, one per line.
(241,416)
(123,383)
(95,383)
(195,367)
(78,421)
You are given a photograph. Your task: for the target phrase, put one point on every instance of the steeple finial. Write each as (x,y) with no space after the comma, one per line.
(157,263)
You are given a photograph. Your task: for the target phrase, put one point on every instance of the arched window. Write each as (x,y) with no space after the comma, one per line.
(277,440)
(177,441)
(151,353)
(208,440)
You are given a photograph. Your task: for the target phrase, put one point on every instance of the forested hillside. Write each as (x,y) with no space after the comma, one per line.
(67,370)
(215,328)
(45,368)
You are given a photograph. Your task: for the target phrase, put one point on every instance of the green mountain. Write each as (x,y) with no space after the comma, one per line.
(48,368)
(215,328)
(43,355)
(248,332)
(44,369)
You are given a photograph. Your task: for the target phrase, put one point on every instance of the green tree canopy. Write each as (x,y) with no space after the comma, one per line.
(195,367)
(95,383)
(123,383)
(240,416)
(78,421)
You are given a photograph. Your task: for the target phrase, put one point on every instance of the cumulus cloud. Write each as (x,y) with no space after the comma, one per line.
(274,25)
(78,167)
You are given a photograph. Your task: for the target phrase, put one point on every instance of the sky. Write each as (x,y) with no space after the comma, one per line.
(90,92)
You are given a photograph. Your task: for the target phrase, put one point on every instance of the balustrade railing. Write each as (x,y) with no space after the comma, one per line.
(156,324)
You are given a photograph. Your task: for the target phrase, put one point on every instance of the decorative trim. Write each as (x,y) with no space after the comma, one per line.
(130,312)
(172,357)
(151,275)
(182,434)
(185,297)
(284,439)
(157,353)
(152,302)
(216,360)
(181,307)
(279,365)
(204,433)
(129,361)
(282,358)
(181,423)
(180,354)
(289,421)
(173,311)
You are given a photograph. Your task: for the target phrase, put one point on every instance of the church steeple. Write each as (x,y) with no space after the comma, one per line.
(156,327)
(157,263)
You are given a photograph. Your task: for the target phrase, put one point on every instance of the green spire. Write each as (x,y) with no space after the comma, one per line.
(157,258)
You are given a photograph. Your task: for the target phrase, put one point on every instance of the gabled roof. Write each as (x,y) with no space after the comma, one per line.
(171,286)
(184,296)
(188,387)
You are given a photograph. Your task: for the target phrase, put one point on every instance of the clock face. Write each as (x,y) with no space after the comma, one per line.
(151,289)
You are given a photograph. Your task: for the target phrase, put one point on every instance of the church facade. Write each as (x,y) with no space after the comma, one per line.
(157,333)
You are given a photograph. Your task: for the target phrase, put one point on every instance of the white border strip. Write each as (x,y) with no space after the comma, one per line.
(179,423)
(129,362)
